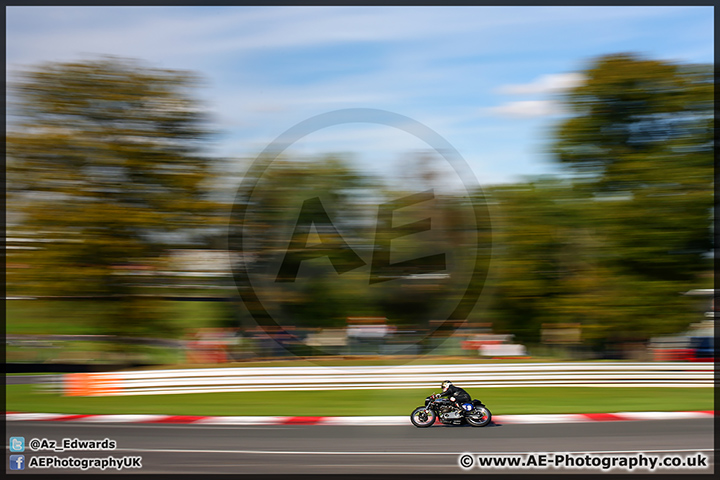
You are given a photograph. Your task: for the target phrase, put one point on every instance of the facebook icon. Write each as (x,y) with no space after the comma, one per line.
(17,462)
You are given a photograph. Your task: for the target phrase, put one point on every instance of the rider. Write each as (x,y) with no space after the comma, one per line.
(456,394)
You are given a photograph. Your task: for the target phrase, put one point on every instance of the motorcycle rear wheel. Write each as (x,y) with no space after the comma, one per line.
(423,418)
(479,417)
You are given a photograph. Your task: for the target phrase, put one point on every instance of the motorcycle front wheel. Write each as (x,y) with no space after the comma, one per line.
(479,417)
(422,417)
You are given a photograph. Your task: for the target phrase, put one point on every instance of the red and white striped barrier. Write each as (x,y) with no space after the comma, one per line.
(380,420)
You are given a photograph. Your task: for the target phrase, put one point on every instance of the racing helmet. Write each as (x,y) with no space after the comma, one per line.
(446,384)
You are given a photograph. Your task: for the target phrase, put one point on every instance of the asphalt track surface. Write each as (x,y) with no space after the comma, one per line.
(317,449)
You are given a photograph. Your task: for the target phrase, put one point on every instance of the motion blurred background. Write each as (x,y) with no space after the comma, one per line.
(130,131)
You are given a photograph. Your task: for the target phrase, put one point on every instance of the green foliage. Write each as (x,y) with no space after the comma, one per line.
(613,248)
(322,297)
(105,163)
(501,401)
(106,169)
(643,129)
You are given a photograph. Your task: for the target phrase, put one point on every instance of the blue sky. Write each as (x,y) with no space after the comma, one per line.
(484,78)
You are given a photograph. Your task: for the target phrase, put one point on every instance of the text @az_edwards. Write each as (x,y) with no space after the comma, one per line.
(71,444)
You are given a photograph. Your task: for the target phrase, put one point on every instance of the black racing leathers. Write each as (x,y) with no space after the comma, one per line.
(461,396)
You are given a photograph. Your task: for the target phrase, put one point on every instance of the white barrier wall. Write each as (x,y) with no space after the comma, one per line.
(254,379)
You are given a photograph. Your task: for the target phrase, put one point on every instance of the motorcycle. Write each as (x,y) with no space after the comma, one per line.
(474,413)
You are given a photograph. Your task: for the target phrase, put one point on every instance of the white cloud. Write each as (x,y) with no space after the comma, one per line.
(527,109)
(542,86)
(552,83)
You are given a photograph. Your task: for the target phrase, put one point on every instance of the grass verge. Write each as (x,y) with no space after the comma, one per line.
(501,401)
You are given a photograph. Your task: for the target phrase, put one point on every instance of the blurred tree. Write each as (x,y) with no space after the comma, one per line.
(554,263)
(105,168)
(614,248)
(319,296)
(641,134)
(544,246)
